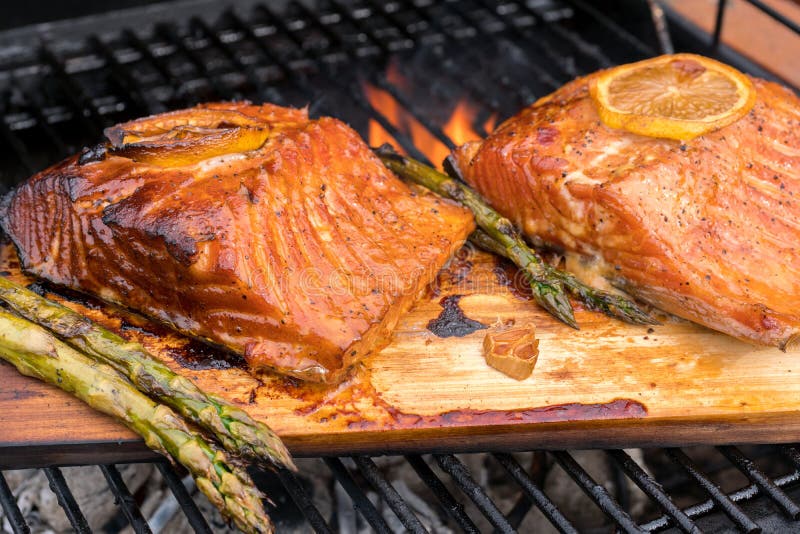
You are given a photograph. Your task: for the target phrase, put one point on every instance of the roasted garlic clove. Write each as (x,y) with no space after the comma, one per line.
(513,351)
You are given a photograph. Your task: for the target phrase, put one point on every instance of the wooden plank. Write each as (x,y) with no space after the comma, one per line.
(609,384)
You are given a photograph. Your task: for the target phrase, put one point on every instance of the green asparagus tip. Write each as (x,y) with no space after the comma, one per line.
(552,298)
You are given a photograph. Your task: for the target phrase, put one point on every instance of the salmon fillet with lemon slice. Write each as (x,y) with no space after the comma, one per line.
(698,213)
(278,237)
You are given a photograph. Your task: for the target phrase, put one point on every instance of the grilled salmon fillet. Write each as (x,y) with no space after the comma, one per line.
(300,254)
(708,229)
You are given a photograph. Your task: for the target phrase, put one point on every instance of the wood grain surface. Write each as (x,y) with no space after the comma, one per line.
(608,384)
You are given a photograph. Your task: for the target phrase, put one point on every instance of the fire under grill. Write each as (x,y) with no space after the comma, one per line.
(426,76)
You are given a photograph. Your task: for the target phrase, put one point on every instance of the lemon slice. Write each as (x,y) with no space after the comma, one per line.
(678,96)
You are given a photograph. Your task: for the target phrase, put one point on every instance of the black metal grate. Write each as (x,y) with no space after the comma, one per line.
(766,503)
(56,95)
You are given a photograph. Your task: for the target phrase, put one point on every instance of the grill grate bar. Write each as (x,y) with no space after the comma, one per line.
(297,41)
(19,148)
(403,140)
(286,71)
(461,476)
(476,90)
(333,37)
(282,27)
(578,43)
(452,506)
(718,498)
(522,94)
(748,467)
(360,501)
(541,73)
(384,84)
(351,91)
(125,500)
(596,492)
(537,472)
(230,55)
(357,23)
(653,490)
(187,504)
(543,50)
(41,121)
(543,81)
(614,30)
(11,509)
(170,36)
(542,501)
(745,494)
(144,50)
(389,494)
(520,509)
(87,113)
(793,454)
(721,9)
(66,500)
(660,27)
(303,501)
(777,15)
(129,86)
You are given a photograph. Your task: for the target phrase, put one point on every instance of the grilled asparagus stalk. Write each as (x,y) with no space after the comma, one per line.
(498,234)
(36,352)
(239,433)
(547,290)
(593,298)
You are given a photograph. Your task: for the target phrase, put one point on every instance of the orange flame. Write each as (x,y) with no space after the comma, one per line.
(389,108)
(459,127)
(490,123)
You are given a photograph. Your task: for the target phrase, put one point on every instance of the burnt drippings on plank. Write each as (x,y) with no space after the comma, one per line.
(510,276)
(46,289)
(195,354)
(455,273)
(199,356)
(452,322)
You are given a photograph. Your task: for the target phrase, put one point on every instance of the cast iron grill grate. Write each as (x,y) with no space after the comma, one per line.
(763,504)
(58,93)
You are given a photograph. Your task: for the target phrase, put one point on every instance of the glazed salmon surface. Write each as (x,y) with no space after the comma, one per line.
(706,229)
(300,255)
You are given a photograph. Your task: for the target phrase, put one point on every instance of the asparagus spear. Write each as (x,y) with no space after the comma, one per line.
(36,352)
(239,433)
(547,290)
(498,235)
(594,299)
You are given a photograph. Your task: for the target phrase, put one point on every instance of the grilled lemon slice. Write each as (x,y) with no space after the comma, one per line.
(678,96)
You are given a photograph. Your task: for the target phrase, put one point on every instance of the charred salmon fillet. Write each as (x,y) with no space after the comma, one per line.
(280,238)
(706,229)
